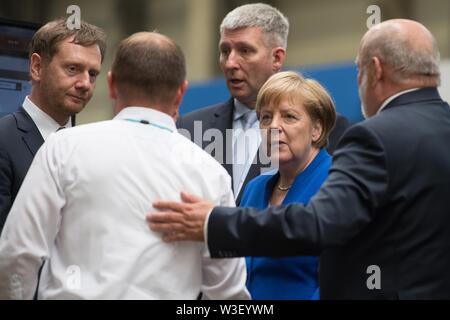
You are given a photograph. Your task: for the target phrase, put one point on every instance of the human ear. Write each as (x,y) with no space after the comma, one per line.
(378,69)
(317,130)
(112,87)
(35,67)
(278,56)
(178,98)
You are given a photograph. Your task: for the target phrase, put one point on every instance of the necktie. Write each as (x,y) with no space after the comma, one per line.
(249,118)
(60,128)
(242,155)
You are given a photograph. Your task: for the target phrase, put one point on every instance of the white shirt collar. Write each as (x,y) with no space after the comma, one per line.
(45,124)
(239,109)
(388,100)
(152,116)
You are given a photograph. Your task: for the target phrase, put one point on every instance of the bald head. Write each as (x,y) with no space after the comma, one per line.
(407,47)
(402,29)
(149,38)
(148,66)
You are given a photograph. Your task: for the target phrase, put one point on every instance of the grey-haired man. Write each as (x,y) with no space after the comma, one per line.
(253,43)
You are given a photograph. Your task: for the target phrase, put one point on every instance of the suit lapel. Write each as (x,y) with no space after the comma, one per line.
(31,136)
(223,120)
(254,171)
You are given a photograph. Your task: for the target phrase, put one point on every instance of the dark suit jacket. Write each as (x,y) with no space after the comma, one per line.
(19,141)
(220,117)
(385,204)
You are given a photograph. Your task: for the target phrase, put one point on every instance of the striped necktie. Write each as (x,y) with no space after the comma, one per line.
(242,150)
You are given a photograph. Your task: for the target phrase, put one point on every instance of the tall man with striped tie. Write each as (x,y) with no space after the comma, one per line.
(252,46)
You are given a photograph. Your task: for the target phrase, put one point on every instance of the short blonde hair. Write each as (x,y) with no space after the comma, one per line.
(318,103)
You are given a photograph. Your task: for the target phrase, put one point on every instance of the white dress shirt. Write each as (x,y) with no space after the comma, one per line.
(82,208)
(388,100)
(246,141)
(45,124)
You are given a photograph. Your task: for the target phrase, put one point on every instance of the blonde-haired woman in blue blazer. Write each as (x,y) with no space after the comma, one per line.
(296,116)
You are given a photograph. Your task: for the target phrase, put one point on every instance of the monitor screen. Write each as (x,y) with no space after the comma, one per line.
(15,38)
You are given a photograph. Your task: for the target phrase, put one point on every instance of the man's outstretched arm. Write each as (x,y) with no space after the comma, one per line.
(345,204)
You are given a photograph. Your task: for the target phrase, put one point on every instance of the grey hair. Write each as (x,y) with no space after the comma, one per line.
(404,56)
(274,24)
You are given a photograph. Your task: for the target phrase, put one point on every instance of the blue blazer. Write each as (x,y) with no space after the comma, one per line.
(19,141)
(285,277)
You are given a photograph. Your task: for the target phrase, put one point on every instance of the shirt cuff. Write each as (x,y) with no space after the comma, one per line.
(205,228)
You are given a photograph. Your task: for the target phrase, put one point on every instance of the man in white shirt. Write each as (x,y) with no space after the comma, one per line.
(82,205)
(64,65)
